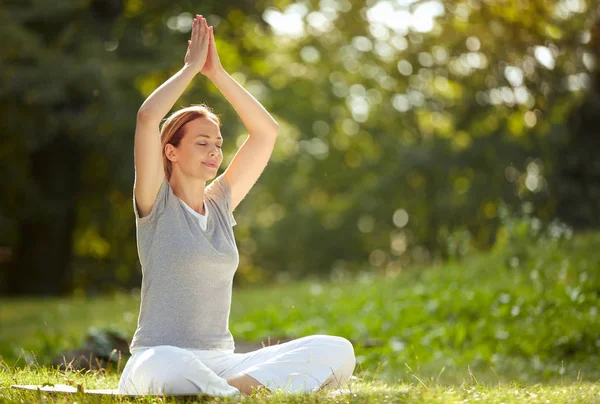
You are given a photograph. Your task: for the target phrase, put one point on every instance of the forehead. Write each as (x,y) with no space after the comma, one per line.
(202,126)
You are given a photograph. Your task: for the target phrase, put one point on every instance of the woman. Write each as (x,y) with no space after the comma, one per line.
(182,344)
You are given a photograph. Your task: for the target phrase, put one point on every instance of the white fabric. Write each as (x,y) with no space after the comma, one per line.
(298,366)
(202,219)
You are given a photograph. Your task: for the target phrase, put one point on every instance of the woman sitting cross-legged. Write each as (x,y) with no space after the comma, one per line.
(186,245)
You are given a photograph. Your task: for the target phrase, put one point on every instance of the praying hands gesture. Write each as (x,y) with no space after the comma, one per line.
(201,53)
(254,154)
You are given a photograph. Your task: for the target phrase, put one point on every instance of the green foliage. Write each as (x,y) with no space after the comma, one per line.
(521,236)
(536,321)
(491,104)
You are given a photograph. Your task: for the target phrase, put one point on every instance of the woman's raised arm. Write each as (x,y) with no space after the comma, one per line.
(160,102)
(254,116)
(253,156)
(149,171)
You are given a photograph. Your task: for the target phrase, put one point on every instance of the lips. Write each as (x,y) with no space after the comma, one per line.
(212,165)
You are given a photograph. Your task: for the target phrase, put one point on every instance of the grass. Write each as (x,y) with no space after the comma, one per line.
(519,324)
(359,390)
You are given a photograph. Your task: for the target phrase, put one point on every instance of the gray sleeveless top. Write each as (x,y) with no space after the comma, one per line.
(187,272)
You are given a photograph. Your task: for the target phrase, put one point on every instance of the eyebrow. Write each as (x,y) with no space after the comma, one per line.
(219,137)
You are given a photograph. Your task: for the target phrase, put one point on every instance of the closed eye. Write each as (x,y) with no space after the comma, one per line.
(204,144)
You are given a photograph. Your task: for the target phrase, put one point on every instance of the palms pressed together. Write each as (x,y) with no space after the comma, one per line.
(202,52)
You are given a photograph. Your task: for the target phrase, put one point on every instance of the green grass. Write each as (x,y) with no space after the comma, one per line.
(359,390)
(489,329)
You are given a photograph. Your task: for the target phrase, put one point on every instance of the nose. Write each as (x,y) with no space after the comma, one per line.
(214,153)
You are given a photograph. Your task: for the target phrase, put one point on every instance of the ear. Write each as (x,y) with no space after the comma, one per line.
(171,152)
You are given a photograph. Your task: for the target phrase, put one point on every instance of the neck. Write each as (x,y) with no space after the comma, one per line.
(189,190)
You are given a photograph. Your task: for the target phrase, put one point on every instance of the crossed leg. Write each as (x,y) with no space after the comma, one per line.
(302,365)
(295,366)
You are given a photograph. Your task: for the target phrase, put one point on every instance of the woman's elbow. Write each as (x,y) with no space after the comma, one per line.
(150,117)
(145,114)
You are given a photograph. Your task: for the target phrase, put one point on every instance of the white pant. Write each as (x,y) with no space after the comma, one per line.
(298,366)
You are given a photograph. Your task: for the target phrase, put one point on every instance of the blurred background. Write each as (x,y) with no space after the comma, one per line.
(409,129)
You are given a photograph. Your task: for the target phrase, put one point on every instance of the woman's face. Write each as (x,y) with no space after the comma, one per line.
(199,153)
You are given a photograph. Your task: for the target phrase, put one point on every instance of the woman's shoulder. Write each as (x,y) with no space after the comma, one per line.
(158,207)
(218,194)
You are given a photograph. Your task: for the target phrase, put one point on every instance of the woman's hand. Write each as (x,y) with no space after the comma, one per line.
(213,64)
(197,50)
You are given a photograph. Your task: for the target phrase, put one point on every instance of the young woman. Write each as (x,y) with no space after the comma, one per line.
(182,344)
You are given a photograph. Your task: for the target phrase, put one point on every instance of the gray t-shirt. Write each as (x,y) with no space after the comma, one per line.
(187,272)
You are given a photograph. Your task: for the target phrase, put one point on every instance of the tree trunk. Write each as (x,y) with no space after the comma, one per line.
(577,180)
(42,261)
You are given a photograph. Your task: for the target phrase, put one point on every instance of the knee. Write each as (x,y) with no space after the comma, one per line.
(343,355)
(341,348)
(346,353)
(156,371)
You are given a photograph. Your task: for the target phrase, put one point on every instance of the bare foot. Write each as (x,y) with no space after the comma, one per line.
(245,383)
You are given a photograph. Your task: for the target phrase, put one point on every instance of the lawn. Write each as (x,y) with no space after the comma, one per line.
(518,324)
